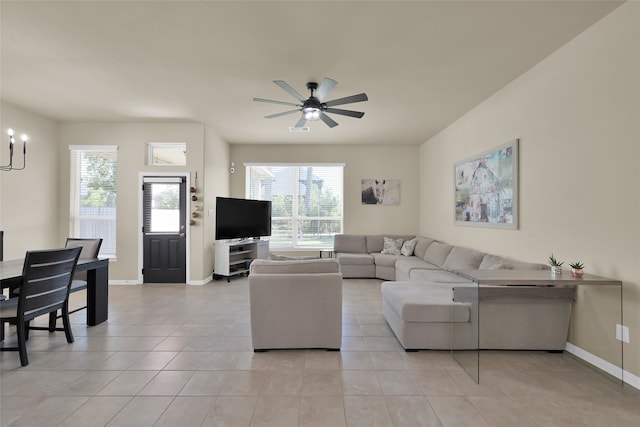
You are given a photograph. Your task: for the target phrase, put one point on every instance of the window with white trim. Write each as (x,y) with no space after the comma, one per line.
(306,202)
(93,194)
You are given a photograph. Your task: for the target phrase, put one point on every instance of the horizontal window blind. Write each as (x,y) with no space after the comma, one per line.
(93,195)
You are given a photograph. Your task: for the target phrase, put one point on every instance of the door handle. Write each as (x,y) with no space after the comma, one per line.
(181,234)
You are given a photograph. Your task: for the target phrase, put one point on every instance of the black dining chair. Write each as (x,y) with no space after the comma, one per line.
(44,288)
(90,250)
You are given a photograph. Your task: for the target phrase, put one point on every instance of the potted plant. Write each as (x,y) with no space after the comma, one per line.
(556,266)
(577,269)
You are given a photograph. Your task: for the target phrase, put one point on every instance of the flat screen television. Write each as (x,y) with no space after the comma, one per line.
(242,218)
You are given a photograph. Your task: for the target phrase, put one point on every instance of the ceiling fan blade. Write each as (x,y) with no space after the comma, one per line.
(271,101)
(328,120)
(325,87)
(284,85)
(301,122)
(347,100)
(350,113)
(273,116)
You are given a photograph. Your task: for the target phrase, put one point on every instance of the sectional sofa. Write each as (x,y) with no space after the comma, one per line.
(425,298)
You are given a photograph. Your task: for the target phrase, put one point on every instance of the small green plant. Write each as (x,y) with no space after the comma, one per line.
(553,262)
(577,265)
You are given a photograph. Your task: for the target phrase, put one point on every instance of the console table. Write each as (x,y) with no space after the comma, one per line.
(485,283)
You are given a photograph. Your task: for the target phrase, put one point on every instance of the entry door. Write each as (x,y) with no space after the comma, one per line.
(164,238)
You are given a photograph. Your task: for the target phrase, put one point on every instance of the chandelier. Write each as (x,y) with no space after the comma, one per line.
(10,166)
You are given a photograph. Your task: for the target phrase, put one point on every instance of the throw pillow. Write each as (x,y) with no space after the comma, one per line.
(408,247)
(391,246)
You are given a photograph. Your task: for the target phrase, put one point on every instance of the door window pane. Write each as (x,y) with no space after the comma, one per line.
(165,208)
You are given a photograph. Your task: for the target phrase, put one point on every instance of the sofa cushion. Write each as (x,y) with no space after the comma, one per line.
(463,259)
(436,276)
(437,253)
(351,243)
(412,263)
(391,246)
(424,302)
(492,262)
(354,259)
(265,266)
(421,246)
(386,260)
(375,242)
(520,265)
(408,247)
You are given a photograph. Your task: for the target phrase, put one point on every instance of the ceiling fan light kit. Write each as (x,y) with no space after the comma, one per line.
(313,108)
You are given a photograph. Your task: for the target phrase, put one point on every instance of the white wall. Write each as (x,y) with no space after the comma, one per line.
(132,139)
(362,162)
(29,198)
(577,114)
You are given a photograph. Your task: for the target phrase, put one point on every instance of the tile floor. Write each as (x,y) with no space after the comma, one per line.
(176,355)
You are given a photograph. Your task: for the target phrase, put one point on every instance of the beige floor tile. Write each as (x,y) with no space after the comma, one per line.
(231,411)
(360,383)
(282,383)
(141,411)
(128,383)
(222,360)
(355,360)
(276,411)
(96,412)
(50,411)
(89,383)
(153,361)
(188,361)
(321,383)
(411,411)
(13,407)
(167,383)
(399,383)
(438,384)
(122,360)
(456,411)
(244,383)
(173,343)
(351,331)
(365,411)
(322,411)
(321,359)
(389,361)
(502,411)
(205,383)
(186,412)
(382,344)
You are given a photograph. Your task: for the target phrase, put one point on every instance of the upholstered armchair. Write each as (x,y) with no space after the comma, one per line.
(295,304)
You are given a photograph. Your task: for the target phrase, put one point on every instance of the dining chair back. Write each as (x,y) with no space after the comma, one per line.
(90,249)
(44,289)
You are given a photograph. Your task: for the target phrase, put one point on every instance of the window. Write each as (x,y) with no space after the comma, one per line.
(167,154)
(93,188)
(306,202)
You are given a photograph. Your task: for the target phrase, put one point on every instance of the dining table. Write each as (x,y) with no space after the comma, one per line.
(97,284)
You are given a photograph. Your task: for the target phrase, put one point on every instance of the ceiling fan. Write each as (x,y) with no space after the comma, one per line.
(313,108)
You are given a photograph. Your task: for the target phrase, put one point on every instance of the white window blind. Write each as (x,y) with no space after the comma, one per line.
(306,202)
(93,195)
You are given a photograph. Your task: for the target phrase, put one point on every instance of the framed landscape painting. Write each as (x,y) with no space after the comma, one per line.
(486,188)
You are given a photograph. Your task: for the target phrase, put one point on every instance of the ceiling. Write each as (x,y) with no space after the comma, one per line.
(423,64)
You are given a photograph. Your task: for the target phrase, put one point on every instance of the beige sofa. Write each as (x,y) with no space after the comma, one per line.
(424,297)
(295,304)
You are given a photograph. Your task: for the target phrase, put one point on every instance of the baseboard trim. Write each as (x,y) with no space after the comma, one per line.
(123,282)
(611,369)
(201,282)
